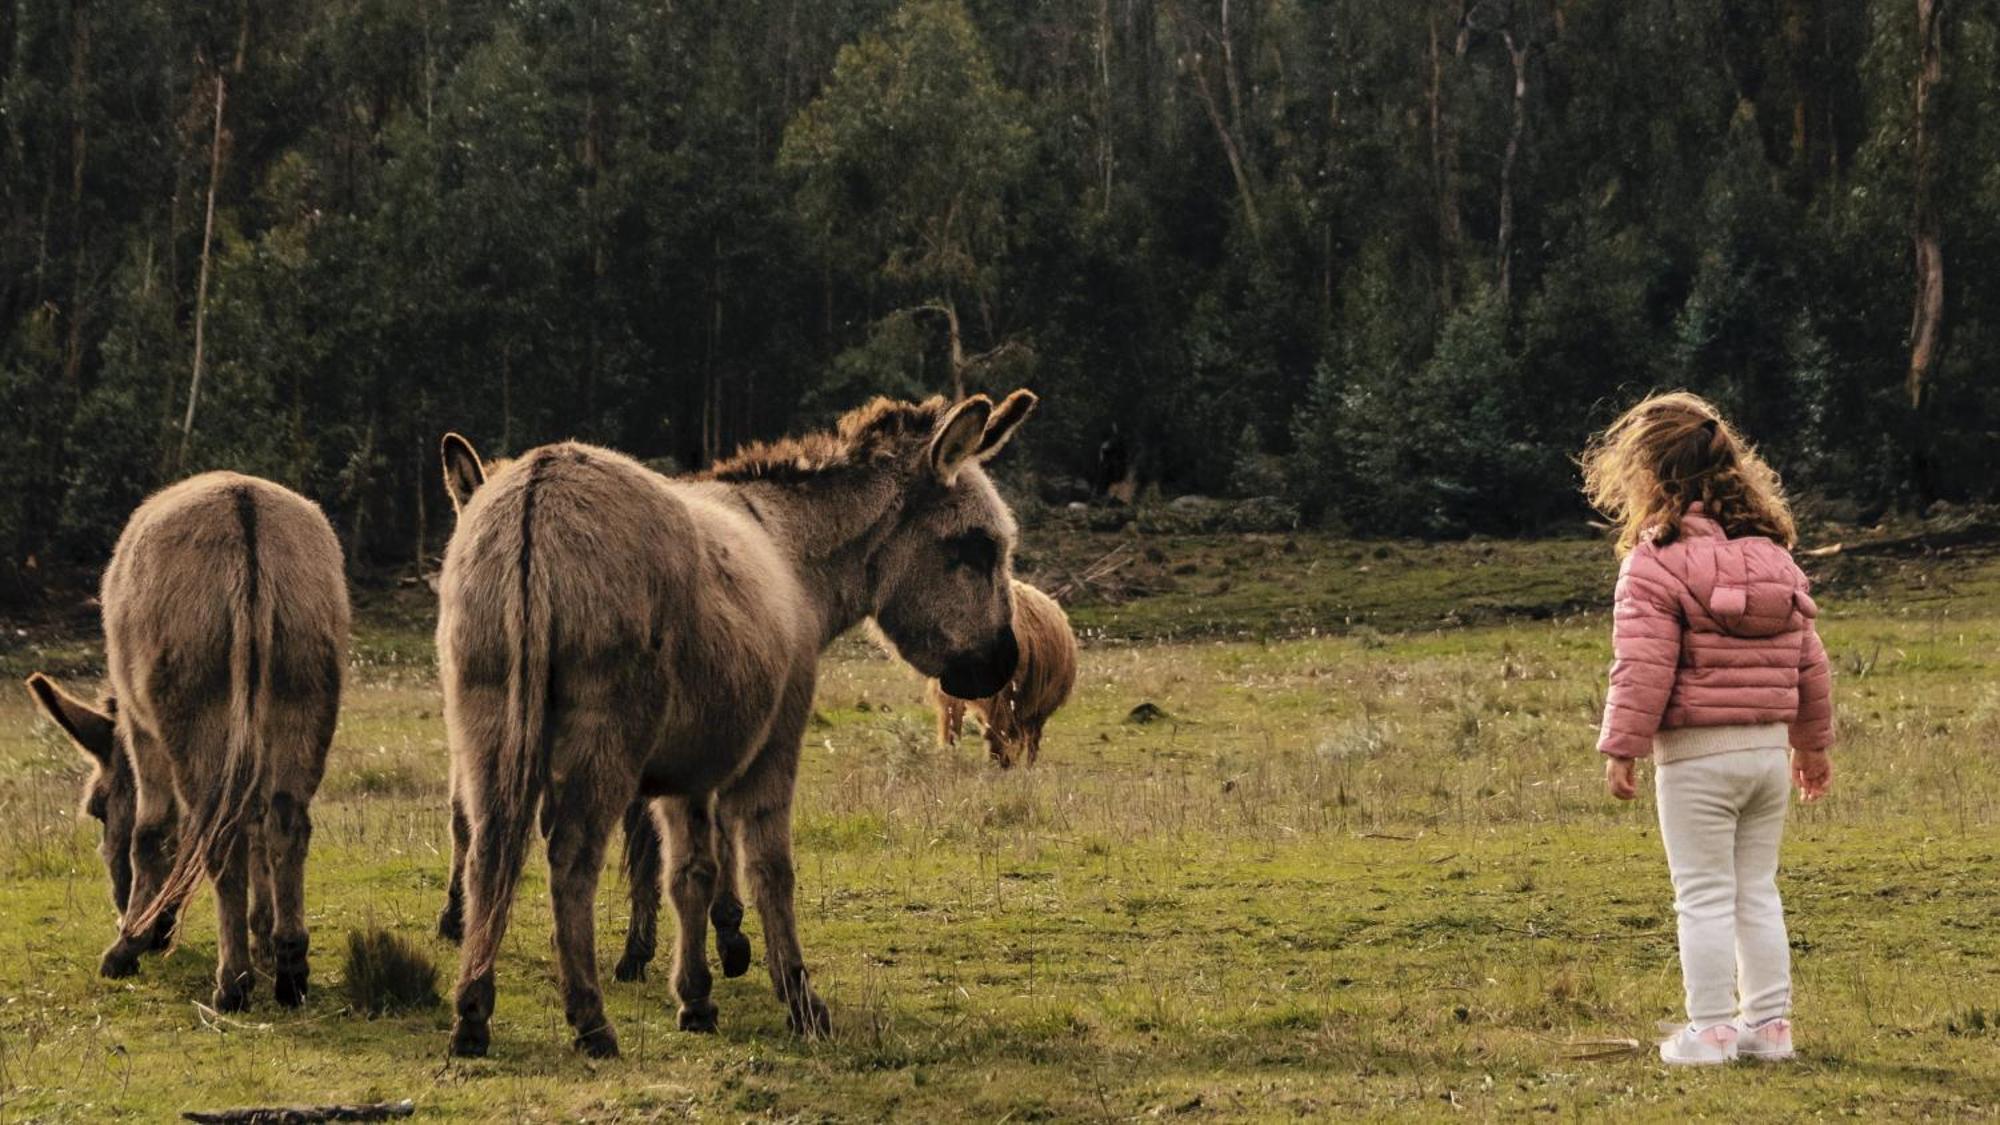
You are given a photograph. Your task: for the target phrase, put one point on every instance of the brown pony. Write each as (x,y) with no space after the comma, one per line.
(606,633)
(225,636)
(1014,717)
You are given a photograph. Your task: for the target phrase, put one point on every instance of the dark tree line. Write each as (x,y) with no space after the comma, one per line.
(1391,260)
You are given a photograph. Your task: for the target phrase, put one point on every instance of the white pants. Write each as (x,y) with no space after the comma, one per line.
(1721,817)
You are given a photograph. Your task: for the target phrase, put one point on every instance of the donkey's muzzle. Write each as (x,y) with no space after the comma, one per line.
(983,676)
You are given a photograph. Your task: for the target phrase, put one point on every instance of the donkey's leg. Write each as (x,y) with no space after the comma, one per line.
(998,747)
(642,877)
(288,832)
(950,717)
(580,812)
(155,839)
(731,947)
(759,809)
(233,975)
(297,734)
(494,851)
(691,882)
(451,923)
(263,897)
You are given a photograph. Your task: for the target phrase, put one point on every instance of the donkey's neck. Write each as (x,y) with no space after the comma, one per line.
(829,527)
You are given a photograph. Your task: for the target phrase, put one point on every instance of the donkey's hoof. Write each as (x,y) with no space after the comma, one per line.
(699,1016)
(734,949)
(118,962)
(290,989)
(232,997)
(469,1040)
(451,926)
(599,1043)
(630,967)
(809,1018)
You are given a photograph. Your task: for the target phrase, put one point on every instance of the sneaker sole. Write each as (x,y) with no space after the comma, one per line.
(1767,1056)
(1697,1062)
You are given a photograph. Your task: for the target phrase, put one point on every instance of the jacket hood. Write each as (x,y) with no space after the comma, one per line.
(1749,586)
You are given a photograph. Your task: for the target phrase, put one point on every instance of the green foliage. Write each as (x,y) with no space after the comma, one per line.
(676,228)
(906,155)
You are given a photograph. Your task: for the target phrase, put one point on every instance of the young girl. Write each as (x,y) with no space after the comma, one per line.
(1718,669)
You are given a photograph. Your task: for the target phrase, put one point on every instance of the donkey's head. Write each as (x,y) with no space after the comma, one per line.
(942,579)
(112,793)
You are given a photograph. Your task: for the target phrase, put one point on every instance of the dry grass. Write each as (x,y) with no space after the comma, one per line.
(1371,875)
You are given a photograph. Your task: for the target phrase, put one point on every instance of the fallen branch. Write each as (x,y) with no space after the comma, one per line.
(1102,568)
(1923,542)
(216,1021)
(1564,934)
(303,1114)
(1593,1049)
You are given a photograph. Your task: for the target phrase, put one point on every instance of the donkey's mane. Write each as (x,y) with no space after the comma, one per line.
(874,433)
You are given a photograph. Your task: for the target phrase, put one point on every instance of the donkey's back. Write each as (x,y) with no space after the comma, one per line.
(653,617)
(224,568)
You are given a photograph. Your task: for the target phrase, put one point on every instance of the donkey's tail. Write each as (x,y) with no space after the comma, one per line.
(233,800)
(504,795)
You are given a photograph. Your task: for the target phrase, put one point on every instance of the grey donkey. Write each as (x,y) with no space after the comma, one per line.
(225,639)
(606,633)
(464,473)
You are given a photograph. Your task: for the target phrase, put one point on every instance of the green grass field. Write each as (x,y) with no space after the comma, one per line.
(1363,866)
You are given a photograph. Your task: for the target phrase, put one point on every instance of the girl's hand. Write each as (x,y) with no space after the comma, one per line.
(1618,778)
(1812,771)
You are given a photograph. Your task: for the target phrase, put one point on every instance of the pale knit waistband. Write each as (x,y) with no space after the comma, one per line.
(1682,743)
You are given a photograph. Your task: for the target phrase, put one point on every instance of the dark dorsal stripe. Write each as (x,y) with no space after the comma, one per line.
(536,467)
(246,517)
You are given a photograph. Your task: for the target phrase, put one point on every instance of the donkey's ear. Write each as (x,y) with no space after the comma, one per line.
(1007,417)
(957,437)
(463,472)
(92,730)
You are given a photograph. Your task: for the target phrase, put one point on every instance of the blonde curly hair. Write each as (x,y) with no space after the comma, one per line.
(1674,450)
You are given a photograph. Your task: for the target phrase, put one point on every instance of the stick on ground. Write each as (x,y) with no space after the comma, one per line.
(303,1114)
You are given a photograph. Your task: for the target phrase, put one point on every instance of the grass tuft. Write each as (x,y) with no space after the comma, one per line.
(387,975)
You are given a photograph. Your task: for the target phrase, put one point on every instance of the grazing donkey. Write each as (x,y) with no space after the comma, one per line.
(606,633)
(1014,717)
(225,636)
(464,473)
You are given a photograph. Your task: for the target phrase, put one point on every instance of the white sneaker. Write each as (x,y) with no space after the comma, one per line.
(1710,1046)
(1768,1041)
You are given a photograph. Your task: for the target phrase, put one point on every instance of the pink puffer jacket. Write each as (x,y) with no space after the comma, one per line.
(1711,631)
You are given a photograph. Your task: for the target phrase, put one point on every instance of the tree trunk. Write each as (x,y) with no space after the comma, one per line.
(1443,172)
(593,177)
(1927,315)
(507,398)
(1927,319)
(1230,148)
(201,285)
(1518,54)
(79,147)
(242,39)
(955,344)
(426,450)
(357,495)
(1104,115)
(711,406)
(1229,81)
